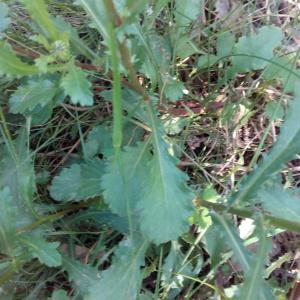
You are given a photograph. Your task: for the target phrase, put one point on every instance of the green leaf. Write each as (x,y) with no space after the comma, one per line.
(123,279)
(99,218)
(78,182)
(59,295)
(130,176)
(77,86)
(11,65)
(173,88)
(274,111)
(207,60)
(4,19)
(82,276)
(214,245)
(230,235)
(17,173)
(185,47)
(39,13)
(188,11)
(225,44)
(96,11)
(175,263)
(285,70)
(285,148)
(160,52)
(99,141)
(260,45)
(78,46)
(46,252)
(279,202)
(166,201)
(35,93)
(8,215)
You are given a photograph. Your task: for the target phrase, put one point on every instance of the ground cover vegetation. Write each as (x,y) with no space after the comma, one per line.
(149,149)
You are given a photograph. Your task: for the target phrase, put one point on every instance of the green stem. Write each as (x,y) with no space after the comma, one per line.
(115,61)
(248,213)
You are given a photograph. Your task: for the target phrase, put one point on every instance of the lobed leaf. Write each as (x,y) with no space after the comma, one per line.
(98,141)
(123,279)
(225,44)
(166,201)
(279,202)
(82,276)
(187,12)
(46,252)
(131,176)
(36,93)
(78,182)
(17,173)
(77,86)
(261,45)
(11,65)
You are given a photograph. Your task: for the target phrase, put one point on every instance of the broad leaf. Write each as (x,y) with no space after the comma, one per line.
(225,44)
(81,275)
(17,174)
(279,202)
(188,11)
(285,148)
(130,177)
(17,210)
(11,65)
(28,97)
(207,60)
(259,45)
(123,279)
(78,182)
(274,110)
(166,202)
(173,88)
(99,141)
(46,252)
(77,86)
(4,19)
(59,295)
(214,245)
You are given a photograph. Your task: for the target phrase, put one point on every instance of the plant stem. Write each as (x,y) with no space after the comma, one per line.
(115,61)
(248,213)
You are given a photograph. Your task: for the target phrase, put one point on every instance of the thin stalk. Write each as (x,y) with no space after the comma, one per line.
(7,137)
(248,213)
(117,135)
(116,101)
